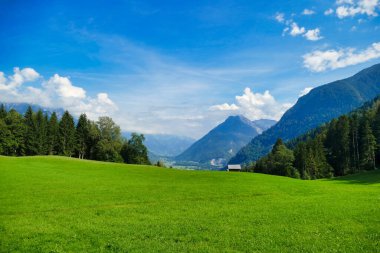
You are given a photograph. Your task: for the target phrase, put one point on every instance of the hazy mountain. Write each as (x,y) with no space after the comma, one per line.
(22,107)
(164,144)
(222,142)
(319,106)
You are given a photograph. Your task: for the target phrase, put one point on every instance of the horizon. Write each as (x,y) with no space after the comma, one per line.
(181,69)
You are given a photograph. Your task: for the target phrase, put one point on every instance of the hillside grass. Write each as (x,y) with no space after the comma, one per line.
(56,204)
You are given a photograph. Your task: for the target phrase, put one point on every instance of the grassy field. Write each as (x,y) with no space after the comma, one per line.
(53,204)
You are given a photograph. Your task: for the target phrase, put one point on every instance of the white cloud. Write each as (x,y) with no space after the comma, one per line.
(64,87)
(305,91)
(280,17)
(296,30)
(224,107)
(308,12)
(18,78)
(56,92)
(256,106)
(329,12)
(313,35)
(293,29)
(351,8)
(319,61)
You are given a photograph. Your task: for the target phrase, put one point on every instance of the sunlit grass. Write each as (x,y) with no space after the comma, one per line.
(55,204)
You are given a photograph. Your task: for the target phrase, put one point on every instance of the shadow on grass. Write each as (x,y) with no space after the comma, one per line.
(365,178)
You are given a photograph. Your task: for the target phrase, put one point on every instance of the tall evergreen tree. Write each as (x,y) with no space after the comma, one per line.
(367,145)
(53,135)
(338,139)
(30,132)
(3,111)
(67,135)
(376,132)
(15,125)
(354,142)
(41,133)
(82,136)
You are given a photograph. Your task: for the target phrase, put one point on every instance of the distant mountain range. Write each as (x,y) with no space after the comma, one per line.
(222,142)
(164,144)
(319,106)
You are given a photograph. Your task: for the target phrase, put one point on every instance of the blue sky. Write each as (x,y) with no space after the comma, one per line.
(180,67)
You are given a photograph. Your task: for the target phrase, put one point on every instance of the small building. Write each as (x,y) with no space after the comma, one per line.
(234,167)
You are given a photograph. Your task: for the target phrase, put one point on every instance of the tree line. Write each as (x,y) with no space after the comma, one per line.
(37,133)
(346,145)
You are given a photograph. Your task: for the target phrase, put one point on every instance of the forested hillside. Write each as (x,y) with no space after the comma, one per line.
(39,133)
(346,145)
(321,105)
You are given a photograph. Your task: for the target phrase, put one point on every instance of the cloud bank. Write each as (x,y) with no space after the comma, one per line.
(319,61)
(351,8)
(255,106)
(56,92)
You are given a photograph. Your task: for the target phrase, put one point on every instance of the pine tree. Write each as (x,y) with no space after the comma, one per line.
(3,112)
(30,132)
(367,145)
(376,132)
(338,145)
(67,135)
(16,128)
(354,140)
(41,133)
(52,136)
(82,136)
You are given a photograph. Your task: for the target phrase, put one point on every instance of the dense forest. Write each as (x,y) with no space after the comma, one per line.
(346,145)
(37,133)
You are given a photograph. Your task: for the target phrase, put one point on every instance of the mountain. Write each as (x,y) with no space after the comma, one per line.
(221,143)
(22,107)
(319,106)
(165,144)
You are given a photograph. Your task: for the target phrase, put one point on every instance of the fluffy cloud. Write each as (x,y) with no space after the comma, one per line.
(313,34)
(293,29)
(255,106)
(319,61)
(64,87)
(308,12)
(18,78)
(305,91)
(351,8)
(296,30)
(56,92)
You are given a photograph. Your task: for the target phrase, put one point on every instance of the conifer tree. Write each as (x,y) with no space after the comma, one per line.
(3,111)
(30,132)
(67,135)
(82,136)
(367,145)
(52,136)
(40,133)
(354,142)
(376,132)
(15,125)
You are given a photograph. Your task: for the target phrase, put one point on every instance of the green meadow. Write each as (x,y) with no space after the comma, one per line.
(57,204)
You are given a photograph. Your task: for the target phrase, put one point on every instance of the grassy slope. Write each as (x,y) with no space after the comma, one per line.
(52,204)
